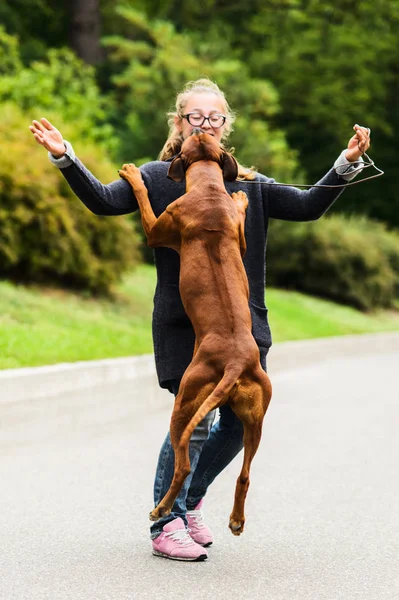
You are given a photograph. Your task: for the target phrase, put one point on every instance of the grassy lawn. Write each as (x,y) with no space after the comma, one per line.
(295,316)
(45,326)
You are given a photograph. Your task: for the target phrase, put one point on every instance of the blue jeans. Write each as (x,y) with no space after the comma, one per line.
(211,449)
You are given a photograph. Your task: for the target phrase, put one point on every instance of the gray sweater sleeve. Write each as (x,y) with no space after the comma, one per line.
(116,198)
(294,204)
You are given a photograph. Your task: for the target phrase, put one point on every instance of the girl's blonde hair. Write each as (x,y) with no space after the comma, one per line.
(175,138)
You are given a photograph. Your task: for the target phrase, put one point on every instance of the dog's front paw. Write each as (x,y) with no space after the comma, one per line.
(131,173)
(241,199)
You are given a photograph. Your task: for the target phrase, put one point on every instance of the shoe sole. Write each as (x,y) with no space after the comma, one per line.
(206,545)
(200,558)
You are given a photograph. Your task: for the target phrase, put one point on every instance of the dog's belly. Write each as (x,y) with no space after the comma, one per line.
(214,290)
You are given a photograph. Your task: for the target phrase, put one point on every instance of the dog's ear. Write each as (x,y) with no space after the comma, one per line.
(230,167)
(176,169)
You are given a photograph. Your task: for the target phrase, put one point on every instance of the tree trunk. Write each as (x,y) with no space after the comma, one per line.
(84,29)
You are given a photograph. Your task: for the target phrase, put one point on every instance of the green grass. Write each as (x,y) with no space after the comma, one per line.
(45,326)
(40,326)
(295,316)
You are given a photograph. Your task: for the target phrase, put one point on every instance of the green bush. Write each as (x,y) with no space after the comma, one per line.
(60,83)
(10,61)
(46,233)
(353,261)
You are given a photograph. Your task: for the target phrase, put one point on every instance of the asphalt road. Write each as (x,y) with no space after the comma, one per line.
(76,476)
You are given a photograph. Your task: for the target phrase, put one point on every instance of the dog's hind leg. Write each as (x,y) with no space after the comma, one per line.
(196,386)
(250,406)
(198,395)
(252,436)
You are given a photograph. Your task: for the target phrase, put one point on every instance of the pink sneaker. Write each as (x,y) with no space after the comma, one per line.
(199,532)
(176,543)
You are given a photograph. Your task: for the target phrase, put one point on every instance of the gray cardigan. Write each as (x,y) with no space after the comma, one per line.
(172,331)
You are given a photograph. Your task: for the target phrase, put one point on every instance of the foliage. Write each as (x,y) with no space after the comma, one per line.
(10,61)
(299,73)
(353,261)
(156,64)
(39,24)
(62,84)
(316,56)
(329,76)
(46,234)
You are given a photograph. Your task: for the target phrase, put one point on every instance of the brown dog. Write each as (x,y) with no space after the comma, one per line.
(206,227)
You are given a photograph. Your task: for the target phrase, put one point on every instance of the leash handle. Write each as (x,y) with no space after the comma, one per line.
(320,185)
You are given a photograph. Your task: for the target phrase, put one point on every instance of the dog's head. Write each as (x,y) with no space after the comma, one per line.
(202,146)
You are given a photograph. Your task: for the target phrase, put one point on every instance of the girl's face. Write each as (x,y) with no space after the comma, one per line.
(207,104)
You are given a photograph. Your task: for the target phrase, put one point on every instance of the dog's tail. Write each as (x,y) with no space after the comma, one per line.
(223,388)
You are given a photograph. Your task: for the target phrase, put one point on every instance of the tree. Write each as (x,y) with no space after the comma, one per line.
(85,30)
(328,76)
(25,19)
(157,61)
(62,84)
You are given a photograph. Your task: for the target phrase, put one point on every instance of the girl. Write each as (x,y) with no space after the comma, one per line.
(183,535)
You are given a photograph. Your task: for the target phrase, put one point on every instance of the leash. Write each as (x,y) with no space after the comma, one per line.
(363,166)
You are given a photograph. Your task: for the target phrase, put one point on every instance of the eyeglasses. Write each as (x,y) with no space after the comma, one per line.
(197,119)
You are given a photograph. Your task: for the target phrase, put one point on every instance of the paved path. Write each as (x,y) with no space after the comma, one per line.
(322,512)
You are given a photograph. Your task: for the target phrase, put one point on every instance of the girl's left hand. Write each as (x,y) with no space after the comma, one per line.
(359,143)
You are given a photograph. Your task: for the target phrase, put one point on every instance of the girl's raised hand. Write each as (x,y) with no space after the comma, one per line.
(359,143)
(48,136)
